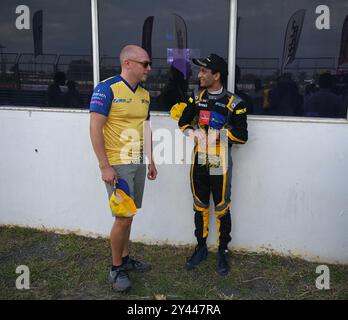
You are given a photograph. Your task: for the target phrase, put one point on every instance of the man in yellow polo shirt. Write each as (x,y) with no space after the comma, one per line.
(119,109)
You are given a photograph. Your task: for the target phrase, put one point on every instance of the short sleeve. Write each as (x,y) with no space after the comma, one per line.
(101,99)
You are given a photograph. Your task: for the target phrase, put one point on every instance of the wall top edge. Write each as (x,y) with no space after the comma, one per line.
(166,114)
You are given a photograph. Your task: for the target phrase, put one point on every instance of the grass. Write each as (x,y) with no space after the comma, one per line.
(75,267)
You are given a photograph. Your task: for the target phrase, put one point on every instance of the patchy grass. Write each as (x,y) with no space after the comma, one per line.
(75,267)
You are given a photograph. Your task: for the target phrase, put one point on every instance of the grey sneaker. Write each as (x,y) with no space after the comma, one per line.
(119,279)
(136,266)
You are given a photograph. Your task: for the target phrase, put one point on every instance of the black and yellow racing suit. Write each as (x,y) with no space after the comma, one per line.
(224,114)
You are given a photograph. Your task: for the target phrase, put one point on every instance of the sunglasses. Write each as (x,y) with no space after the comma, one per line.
(145,64)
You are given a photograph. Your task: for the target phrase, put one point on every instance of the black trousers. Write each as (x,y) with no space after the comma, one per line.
(211,175)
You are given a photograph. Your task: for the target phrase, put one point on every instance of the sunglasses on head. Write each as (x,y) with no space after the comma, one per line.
(145,64)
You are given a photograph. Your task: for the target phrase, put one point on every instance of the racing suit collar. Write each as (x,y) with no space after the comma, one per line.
(216,92)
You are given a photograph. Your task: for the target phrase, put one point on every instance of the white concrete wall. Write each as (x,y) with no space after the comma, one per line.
(289,188)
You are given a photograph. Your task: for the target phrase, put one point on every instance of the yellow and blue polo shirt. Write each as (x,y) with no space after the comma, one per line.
(126,110)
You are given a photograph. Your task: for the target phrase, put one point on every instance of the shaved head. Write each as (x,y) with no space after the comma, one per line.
(132,52)
(135,64)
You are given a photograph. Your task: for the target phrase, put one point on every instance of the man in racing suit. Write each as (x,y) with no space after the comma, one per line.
(214,119)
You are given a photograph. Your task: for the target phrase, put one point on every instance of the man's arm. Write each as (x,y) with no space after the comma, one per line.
(187,117)
(97,122)
(152,171)
(185,123)
(236,125)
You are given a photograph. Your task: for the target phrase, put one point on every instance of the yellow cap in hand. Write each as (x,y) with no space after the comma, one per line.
(121,204)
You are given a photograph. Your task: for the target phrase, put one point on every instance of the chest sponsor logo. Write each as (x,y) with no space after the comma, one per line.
(219,104)
(204,117)
(123,100)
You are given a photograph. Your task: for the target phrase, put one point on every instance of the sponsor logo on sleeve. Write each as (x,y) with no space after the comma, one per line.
(96,102)
(99,95)
(241,111)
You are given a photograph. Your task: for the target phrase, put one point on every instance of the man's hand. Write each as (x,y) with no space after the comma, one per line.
(152,172)
(197,135)
(109,175)
(213,137)
(200,138)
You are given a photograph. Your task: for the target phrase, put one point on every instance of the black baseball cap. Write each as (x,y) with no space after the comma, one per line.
(213,62)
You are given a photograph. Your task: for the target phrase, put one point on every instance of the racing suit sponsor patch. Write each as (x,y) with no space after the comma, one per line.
(204,117)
